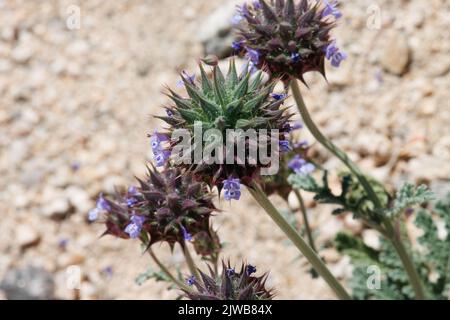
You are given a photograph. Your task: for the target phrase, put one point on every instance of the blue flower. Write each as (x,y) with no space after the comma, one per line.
(285,146)
(257,5)
(169,113)
(232,189)
(186,235)
(333,54)
(93,214)
(237,45)
(237,18)
(161,157)
(134,228)
(132,190)
(250,269)
(295,126)
(186,77)
(253,55)
(331,8)
(102,204)
(301,144)
(62,243)
(295,57)
(230,272)
(190,281)
(301,166)
(131,201)
(108,271)
(278,96)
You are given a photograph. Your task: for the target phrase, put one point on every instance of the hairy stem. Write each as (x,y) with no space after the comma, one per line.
(305,219)
(406,259)
(299,242)
(190,262)
(166,271)
(330,146)
(395,239)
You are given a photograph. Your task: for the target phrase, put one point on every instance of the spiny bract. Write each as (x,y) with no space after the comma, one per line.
(230,285)
(168,206)
(284,38)
(235,102)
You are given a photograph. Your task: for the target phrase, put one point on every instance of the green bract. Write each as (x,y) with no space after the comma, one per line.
(235,102)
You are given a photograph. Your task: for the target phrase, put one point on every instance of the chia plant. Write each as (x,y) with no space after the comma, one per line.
(174,203)
(287,39)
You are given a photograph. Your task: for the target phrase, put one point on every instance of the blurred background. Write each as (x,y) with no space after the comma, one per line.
(79,81)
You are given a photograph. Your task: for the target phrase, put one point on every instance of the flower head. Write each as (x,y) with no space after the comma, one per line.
(223,103)
(229,285)
(289,36)
(167,204)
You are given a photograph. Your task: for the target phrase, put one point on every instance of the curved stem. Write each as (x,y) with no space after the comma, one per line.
(407,262)
(190,262)
(166,271)
(297,239)
(330,146)
(305,219)
(390,231)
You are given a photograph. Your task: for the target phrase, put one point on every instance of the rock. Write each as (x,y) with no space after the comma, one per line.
(21,54)
(88,291)
(67,259)
(330,255)
(215,33)
(57,209)
(29,283)
(374,144)
(79,199)
(371,239)
(342,269)
(425,169)
(396,55)
(329,229)
(354,225)
(26,236)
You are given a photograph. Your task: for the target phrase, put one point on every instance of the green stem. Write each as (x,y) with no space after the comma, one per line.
(166,271)
(190,262)
(305,219)
(329,145)
(407,262)
(297,239)
(399,247)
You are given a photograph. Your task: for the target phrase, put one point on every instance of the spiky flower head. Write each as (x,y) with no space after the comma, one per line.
(288,38)
(168,206)
(232,103)
(229,285)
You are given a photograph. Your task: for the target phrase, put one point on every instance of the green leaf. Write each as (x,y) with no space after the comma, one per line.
(232,76)
(409,196)
(151,274)
(206,84)
(241,89)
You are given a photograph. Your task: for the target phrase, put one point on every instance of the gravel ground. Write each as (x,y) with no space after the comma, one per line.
(76,105)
